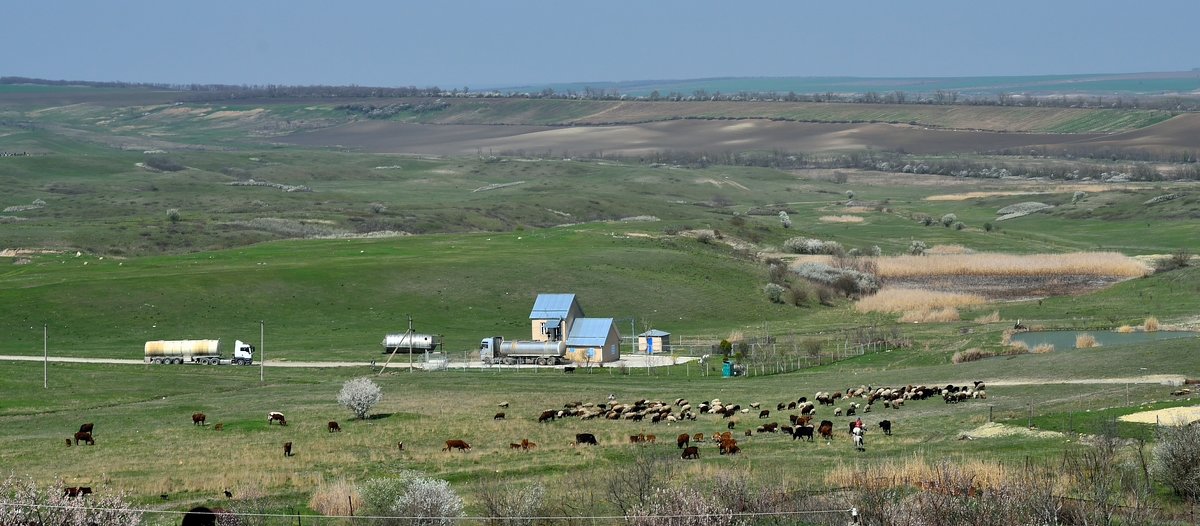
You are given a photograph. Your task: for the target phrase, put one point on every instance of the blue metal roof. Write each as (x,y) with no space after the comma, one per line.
(655,333)
(552,307)
(590,332)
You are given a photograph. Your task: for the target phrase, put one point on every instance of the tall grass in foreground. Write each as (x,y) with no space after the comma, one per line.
(994,317)
(1085,341)
(1088,263)
(895,299)
(1125,329)
(925,315)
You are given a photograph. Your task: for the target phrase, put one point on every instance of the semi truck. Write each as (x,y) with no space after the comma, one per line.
(207,352)
(497,350)
(410,342)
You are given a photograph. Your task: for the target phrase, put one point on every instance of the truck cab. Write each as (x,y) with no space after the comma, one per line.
(488,348)
(243,353)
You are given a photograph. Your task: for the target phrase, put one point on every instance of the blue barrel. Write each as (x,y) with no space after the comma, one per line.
(727,368)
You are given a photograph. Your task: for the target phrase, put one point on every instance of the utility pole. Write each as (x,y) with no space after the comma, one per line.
(45,357)
(262,349)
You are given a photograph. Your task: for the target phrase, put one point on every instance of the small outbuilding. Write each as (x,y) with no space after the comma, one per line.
(654,341)
(593,340)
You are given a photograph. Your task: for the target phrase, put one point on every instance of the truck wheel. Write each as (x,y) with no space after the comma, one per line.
(541,361)
(156,361)
(178,361)
(214,361)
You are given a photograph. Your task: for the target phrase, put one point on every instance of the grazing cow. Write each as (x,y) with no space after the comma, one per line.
(585,438)
(732,424)
(858,439)
(698,437)
(86,428)
(77,491)
(334,427)
(749,432)
(68,442)
(886,426)
(826,430)
(802,432)
(765,413)
(287,449)
(730,449)
(637,439)
(228,494)
(546,416)
(457,444)
(499,416)
(219,427)
(276,416)
(527,445)
(514,446)
(682,440)
(503,404)
(650,439)
(198,419)
(691,453)
(400,446)
(85,437)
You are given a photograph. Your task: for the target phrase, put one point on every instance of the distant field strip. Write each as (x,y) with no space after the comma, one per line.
(1078,263)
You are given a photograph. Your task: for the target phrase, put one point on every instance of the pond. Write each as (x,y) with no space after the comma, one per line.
(1062,340)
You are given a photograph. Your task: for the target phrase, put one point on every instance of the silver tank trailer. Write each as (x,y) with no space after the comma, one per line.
(410,341)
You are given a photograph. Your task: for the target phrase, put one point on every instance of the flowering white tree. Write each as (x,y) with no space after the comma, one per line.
(360,395)
(784,219)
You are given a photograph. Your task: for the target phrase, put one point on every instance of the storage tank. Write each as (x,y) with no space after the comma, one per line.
(411,340)
(527,348)
(182,349)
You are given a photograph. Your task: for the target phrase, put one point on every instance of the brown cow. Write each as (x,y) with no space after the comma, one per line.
(333,426)
(499,416)
(527,445)
(826,430)
(287,449)
(691,453)
(219,427)
(699,437)
(400,446)
(457,444)
(68,442)
(85,437)
(650,439)
(198,419)
(682,440)
(86,428)
(276,416)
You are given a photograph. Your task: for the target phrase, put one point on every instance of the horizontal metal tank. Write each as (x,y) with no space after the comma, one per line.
(182,348)
(404,342)
(527,348)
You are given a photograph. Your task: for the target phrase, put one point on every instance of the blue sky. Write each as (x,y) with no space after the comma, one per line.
(506,43)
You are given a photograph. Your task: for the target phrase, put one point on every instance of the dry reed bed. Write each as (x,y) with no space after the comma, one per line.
(840,219)
(990,264)
(896,299)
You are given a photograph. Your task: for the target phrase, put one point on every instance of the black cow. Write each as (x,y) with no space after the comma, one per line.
(802,432)
(585,438)
(886,426)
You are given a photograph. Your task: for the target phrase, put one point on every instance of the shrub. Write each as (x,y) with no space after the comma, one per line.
(1176,459)
(849,194)
(165,164)
(969,355)
(987,227)
(738,221)
(958,225)
(1042,348)
(1178,259)
(378,208)
(1085,341)
(1016,347)
(875,251)
(805,245)
(784,219)
(705,237)
(846,280)
(681,506)
(777,270)
(1125,329)
(359,395)
(173,215)
(796,295)
(895,299)
(1150,325)
(23,502)
(917,248)
(774,292)
(508,505)
(949,219)
(429,502)
(1077,196)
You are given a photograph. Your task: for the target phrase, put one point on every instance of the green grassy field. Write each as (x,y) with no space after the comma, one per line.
(107,270)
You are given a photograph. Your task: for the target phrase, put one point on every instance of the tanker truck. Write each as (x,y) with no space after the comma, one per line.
(496,350)
(410,342)
(206,352)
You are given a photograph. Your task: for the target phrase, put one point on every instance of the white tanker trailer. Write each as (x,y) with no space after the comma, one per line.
(410,342)
(496,350)
(206,352)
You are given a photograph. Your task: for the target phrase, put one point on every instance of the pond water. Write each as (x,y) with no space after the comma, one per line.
(1063,340)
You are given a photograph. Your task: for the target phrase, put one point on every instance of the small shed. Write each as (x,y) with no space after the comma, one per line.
(594,340)
(552,316)
(654,341)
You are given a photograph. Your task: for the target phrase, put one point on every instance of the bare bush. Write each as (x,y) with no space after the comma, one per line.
(1150,325)
(1177,460)
(634,488)
(339,498)
(774,292)
(969,355)
(23,502)
(681,507)
(1085,341)
(508,505)
(360,395)
(917,248)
